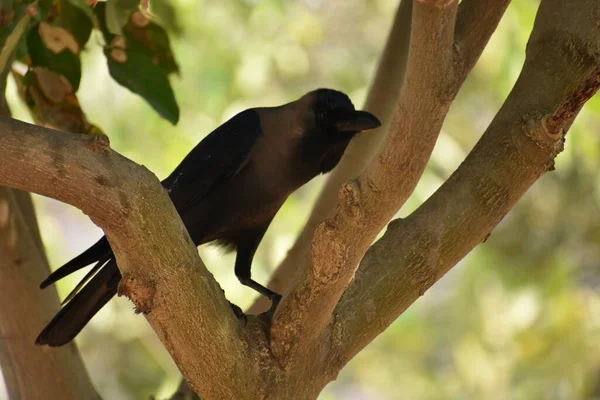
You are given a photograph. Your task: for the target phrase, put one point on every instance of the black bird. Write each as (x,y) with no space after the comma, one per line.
(228,189)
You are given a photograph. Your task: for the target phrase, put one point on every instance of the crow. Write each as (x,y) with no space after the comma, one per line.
(227,190)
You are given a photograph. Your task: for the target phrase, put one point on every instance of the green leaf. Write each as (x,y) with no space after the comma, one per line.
(83,6)
(167,16)
(141,35)
(65,62)
(77,20)
(154,41)
(100,11)
(136,71)
(138,68)
(118,13)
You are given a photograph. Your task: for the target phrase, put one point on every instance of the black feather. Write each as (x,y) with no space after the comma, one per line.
(228,189)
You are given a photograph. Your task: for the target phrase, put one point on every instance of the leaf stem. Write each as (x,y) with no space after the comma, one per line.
(12,41)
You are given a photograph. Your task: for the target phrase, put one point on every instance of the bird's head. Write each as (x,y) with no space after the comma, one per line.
(332,122)
(335,114)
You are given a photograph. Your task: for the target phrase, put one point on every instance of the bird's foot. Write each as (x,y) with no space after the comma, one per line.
(239,313)
(275,299)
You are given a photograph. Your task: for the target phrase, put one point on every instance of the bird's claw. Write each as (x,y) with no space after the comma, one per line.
(275,299)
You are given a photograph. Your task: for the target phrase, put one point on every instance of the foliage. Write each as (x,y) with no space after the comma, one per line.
(50,40)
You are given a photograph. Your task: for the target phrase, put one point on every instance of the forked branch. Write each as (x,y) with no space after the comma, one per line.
(560,74)
(162,272)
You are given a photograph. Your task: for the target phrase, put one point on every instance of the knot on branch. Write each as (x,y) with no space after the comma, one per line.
(552,128)
(328,253)
(139,290)
(97,142)
(569,108)
(350,201)
(537,130)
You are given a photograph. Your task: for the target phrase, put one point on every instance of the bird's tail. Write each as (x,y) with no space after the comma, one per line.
(82,307)
(88,297)
(100,250)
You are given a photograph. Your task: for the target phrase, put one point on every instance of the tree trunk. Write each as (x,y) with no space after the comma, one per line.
(30,372)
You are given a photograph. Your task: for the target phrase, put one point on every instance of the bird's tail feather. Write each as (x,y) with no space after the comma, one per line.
(100,250)
(83,306)
(86,279)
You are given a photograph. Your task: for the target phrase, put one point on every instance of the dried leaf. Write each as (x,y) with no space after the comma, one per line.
(57,38)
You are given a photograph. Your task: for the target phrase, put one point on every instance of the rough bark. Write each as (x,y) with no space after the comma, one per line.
(30,372)
(435,71)
(381,100)
(560,74)
(163,274)
(476,22)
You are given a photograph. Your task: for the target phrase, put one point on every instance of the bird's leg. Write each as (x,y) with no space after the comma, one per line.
(246,248)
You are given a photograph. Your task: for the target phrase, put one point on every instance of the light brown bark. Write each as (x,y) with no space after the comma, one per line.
(434,74)
(30,372)
(560,74)
(381,101)
(163,274)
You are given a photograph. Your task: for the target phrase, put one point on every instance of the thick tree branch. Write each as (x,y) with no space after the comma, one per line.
(163,274)
(560,74)
(367,204)
(381,100)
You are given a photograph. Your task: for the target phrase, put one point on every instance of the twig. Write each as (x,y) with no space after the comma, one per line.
(12,41)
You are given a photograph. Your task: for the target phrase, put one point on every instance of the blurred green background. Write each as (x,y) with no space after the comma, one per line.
(519,318)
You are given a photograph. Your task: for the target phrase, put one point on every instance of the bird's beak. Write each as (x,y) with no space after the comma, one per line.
(354,121)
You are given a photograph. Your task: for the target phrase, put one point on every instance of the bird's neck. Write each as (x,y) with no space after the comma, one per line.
(320,154)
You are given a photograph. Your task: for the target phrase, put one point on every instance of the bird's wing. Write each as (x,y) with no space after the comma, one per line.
(216,159)
(220,156)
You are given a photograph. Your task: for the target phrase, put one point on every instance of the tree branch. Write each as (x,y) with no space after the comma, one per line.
(475,23)
(381,100)
(30,371)
(367,204)
(560,74)
(163,274)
